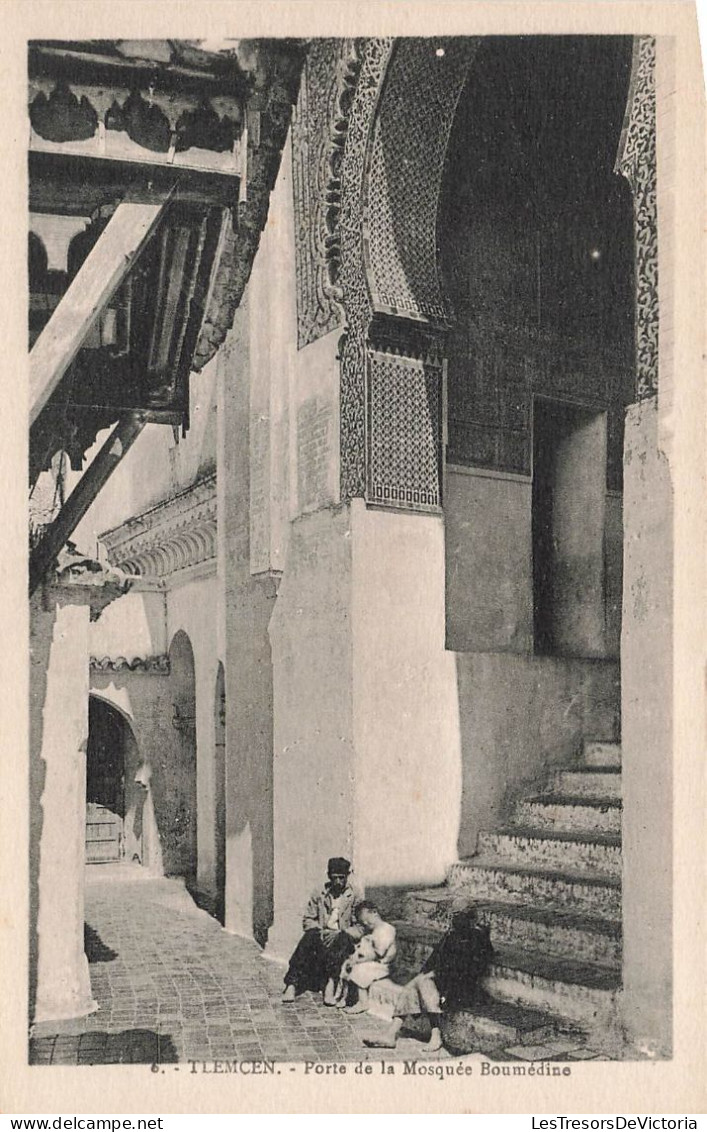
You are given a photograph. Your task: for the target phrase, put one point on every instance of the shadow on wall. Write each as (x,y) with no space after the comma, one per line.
(179,773)
(520,716)
(248,817)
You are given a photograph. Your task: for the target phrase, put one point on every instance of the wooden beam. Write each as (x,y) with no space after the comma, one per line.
(96,475)
(104,269)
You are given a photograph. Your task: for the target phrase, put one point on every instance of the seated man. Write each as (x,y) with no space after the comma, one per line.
(330,935)
(449,979)
(370,961)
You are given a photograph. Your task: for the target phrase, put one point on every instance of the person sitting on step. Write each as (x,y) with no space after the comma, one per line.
(370,961)
(449,979)
(330,935)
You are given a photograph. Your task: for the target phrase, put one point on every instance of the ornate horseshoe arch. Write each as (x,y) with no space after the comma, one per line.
(391,358)
(377,125)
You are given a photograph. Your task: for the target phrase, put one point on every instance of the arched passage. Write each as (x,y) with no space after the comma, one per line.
(179,772)
(112,760)
(535,234)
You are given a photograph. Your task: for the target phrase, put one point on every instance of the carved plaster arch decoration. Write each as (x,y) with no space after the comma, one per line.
(319,129)
(423,83)
(391,366)
(375,57)
(636,160)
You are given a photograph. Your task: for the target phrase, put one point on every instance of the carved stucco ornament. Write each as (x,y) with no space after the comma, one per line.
(391,172)
(319,132)
(636,160)
(175,535)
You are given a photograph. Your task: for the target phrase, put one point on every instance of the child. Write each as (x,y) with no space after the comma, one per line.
(370,961)
(449,979)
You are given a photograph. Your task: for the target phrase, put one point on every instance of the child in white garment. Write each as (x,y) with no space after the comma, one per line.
(370,961)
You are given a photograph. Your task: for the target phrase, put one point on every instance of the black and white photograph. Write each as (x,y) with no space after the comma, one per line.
(353,383)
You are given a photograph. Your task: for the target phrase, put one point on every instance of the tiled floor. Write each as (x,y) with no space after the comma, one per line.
(172,985)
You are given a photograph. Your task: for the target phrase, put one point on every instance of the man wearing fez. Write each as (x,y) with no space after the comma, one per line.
(330,935)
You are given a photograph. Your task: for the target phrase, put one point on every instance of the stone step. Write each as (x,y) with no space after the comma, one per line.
(587,782)
(489,1025)
(565,991)
(414,944)
(600,853)
(489,878)
(489,882)
(496,1025)
(582,993)
(599,753)
(570,814)
(583,938)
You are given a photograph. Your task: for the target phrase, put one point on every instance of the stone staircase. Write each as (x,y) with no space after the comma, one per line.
(549,886)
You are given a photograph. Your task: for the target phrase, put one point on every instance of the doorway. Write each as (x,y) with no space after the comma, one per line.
(110,751)
(568,509)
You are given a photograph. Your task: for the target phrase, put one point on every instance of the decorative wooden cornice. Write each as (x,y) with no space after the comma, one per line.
(151,665)
(105,104)
(175,535)
(167,118)
(268,116)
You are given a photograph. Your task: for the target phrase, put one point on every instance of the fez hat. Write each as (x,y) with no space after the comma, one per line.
(338,865)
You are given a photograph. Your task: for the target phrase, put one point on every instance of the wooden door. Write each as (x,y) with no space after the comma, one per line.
(104,834)
(105,788)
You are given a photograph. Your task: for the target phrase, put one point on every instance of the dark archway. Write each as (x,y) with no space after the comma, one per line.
(535,235)
(536,246)
(111,763)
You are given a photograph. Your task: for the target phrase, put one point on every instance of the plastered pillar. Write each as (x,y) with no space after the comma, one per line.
(59,734)
(646,732)
(407,773)
(314,774)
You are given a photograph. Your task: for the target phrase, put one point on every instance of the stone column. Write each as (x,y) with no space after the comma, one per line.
(59,712)
(60,612)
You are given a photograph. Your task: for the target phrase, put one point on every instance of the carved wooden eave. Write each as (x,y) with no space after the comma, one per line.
(151,166)
(152,122)
(175,538)
(269,115)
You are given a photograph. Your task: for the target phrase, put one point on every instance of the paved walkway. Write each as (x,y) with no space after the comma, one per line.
(172,985)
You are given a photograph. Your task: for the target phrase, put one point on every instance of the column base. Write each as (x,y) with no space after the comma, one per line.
(284,936)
